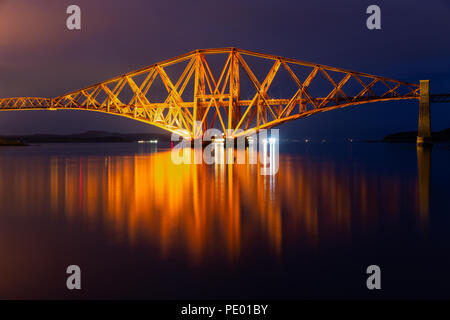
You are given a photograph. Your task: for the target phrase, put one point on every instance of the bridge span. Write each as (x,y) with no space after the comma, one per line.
(237,91)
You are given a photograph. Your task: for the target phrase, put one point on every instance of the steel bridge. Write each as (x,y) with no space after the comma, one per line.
(236,91)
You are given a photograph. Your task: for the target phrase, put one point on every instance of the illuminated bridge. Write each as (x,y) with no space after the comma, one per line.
(236,91)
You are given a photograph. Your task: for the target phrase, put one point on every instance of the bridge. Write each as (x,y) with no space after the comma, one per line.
(237,91)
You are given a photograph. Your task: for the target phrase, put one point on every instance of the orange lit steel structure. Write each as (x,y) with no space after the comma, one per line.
(203,95)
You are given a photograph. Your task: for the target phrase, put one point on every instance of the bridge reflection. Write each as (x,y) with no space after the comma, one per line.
(424,177)
(202,211)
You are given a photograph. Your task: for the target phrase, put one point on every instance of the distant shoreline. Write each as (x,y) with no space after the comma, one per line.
(411,136)
(110,137)
(11,143)
(85,137)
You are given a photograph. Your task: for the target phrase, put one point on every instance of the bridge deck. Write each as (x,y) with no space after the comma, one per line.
(195,92)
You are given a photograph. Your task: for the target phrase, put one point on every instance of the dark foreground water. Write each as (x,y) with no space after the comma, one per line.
(141,227)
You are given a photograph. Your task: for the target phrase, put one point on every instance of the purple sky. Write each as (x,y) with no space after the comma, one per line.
(40,57)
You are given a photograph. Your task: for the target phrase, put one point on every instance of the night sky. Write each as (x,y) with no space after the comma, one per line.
(40,57)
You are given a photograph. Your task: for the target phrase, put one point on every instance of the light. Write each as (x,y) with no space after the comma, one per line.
(272,140)
(148,141)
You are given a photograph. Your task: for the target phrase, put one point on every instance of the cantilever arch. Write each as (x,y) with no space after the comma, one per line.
(424,132)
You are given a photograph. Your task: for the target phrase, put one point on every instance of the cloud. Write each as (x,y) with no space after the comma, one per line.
(24,24)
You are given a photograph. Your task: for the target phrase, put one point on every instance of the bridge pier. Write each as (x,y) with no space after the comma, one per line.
(424,130)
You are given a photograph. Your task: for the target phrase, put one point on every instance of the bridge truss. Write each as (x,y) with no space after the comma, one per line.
(236,91)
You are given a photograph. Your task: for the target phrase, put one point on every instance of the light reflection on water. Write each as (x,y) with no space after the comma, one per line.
(190,207)
(200,214)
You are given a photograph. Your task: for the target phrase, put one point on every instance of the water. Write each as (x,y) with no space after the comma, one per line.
(141,227)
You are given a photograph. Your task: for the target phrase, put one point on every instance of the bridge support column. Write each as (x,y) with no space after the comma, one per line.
(424,131)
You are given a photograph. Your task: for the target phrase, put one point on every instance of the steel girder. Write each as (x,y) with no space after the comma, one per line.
(206,94)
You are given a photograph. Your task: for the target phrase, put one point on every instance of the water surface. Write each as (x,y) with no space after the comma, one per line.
(140,226)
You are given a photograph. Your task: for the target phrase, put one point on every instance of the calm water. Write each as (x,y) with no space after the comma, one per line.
(141,227)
